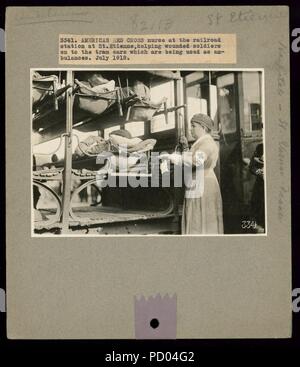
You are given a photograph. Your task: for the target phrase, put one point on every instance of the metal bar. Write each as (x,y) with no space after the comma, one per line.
(42,88)
(239,109)
(119,102)
(55,102)
(128,113)
(169,109)
(97,96)
(166,113)
(67,176)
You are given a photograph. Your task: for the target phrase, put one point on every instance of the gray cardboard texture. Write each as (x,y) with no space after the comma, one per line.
(226,286)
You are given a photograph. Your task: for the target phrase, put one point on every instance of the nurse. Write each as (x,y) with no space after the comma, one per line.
(202,207)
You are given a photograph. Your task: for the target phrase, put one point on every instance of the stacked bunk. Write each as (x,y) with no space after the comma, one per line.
(97,101)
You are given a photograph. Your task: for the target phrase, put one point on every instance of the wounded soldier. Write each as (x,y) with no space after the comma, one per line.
(120,143)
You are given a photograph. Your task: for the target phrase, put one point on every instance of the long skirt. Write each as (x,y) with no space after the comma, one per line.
(204,215)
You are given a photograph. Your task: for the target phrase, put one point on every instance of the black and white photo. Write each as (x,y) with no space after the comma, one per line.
(148,152)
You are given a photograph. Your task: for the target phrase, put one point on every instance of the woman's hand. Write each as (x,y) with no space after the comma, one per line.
(260,172)
(183,140)
(164,156)
(184,143)
(175,158)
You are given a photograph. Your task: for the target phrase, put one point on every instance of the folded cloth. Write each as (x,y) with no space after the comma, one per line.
(97,79)
(85,87)
(102,88)
(36,77)
(141,90)
(95,100)
(42,86)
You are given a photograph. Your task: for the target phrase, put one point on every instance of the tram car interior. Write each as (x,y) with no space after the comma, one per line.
(148,112)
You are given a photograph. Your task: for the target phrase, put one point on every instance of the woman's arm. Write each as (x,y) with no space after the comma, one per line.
(195,159)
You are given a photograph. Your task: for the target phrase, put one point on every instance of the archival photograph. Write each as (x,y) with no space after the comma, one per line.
(147,152)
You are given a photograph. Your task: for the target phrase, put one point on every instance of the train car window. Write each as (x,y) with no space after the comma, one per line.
(226,103)
(157,92)
(194,77)
(252,101)
(213,105)
(197,95)
(195,102)
(136,128)
(255,116)
(108,130)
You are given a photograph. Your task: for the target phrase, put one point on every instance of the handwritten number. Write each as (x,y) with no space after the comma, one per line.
(141,25)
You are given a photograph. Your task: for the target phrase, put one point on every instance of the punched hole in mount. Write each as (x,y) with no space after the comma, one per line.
(154,323)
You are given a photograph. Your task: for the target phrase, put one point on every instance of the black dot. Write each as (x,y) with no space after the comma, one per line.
(154,323)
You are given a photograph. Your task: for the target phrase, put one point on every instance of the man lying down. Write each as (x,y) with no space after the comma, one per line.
(118,140)
(120,143)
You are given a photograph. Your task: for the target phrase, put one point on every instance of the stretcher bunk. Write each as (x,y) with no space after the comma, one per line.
(94,105)
(87,171)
